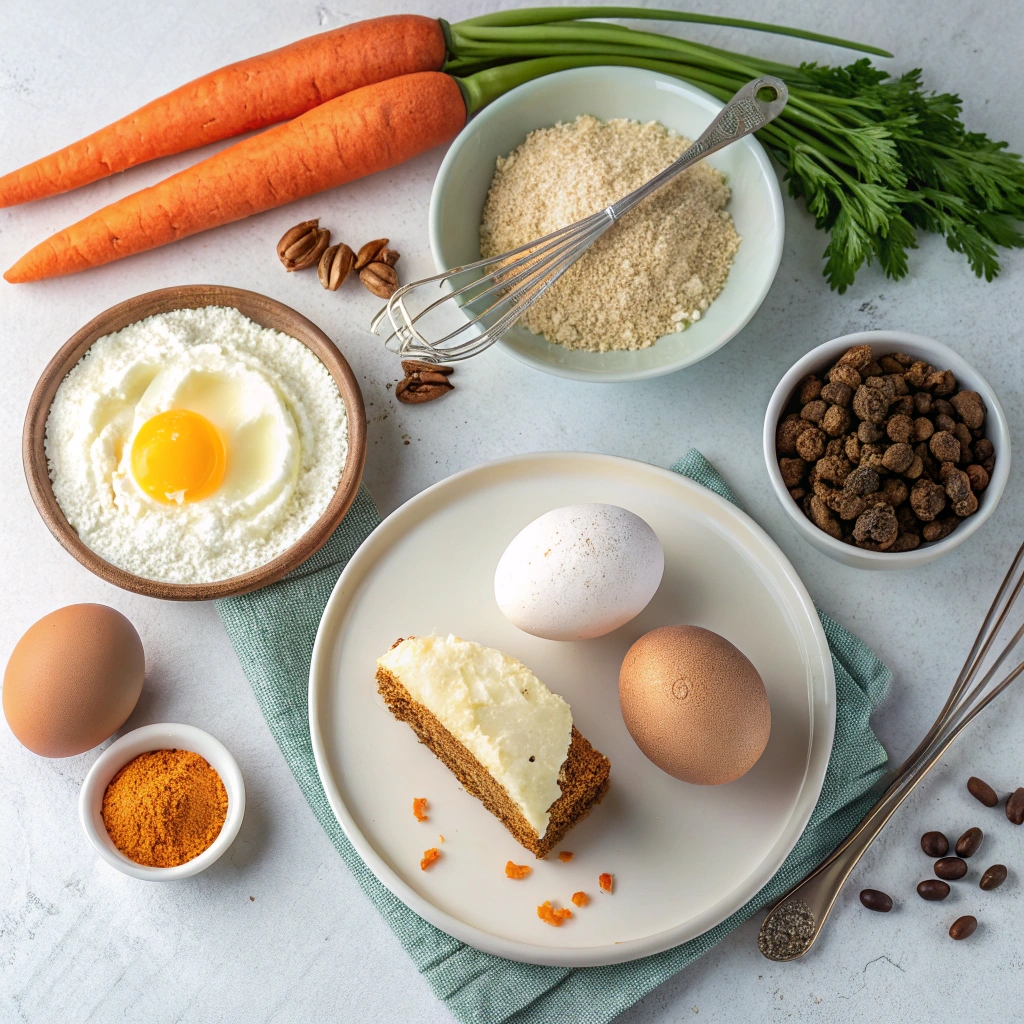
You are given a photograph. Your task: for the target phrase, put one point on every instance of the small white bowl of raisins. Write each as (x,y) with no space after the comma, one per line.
(886,449)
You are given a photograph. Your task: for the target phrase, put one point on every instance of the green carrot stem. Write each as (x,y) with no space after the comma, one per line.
(484,87)
(549,15)
(558,36)
(484,52)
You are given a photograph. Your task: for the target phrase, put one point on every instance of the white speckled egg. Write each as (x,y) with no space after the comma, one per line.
(578,572)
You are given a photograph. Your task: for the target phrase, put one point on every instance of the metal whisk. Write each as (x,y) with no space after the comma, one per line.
(796,920)
(500,289)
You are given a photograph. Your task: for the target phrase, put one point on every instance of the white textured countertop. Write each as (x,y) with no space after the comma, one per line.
(278,930)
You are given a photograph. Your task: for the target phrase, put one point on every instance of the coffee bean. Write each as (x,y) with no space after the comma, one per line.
(982,791)
(932,889)
(1015,806)
(935,844)
(874,899)
(951,868)
(962,927)
(969,843)
(993,877)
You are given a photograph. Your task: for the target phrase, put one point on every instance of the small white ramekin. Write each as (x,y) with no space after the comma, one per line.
(942,358)
(140,741)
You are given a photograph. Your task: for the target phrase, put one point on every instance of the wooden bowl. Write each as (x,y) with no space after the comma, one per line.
(262,310)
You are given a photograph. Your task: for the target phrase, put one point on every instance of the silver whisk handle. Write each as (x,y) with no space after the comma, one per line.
(753,106)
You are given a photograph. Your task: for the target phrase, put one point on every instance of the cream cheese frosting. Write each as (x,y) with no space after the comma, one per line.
(497,708)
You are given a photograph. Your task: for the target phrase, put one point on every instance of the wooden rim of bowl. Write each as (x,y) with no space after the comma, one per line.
(262,310)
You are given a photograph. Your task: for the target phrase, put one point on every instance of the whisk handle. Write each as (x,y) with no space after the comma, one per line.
(750,109)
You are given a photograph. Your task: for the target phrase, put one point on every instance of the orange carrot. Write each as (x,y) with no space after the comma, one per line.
(253,93)
(346,138)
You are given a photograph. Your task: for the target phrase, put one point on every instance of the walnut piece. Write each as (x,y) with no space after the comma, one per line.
(836,421)
(944,446)
(876,528)
(927,499)
(870,404)
(810,445)
(810,389)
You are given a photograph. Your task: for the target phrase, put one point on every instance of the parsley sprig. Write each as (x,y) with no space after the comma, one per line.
(876,158)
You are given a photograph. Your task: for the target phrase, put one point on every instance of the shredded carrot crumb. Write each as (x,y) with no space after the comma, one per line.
(419,805)
(581,899)
(429,856)
(605,881)
(517,870)
(553,916)
(565,856)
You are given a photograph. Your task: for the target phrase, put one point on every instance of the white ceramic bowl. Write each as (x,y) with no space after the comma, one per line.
(460,189)
(140,741)
(941,357)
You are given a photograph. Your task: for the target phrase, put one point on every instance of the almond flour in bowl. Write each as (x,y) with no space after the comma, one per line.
(653,273)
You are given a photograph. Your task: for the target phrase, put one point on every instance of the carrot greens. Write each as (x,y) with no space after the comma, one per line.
(875,157)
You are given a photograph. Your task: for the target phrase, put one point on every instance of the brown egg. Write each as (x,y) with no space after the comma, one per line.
(73,679)
(694,704)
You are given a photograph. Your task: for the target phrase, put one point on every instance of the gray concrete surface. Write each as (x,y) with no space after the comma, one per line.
(79,942)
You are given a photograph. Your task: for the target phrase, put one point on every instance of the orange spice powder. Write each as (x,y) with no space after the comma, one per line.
(553,916)
(165,807)
(517,870)
(581,899)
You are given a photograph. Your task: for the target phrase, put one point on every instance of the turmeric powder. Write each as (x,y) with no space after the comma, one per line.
(165,807)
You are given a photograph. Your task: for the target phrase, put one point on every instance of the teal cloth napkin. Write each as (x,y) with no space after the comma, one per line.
(272,631)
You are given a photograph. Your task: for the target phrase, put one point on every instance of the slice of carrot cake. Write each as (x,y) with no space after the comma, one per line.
(506,737)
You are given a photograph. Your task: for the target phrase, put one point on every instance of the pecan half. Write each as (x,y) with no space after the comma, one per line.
(303,245)
(335,265)
(380,279)
(411,366)
(423,383)
(368,253)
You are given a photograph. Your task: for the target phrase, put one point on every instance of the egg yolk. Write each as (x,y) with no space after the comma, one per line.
(178,456)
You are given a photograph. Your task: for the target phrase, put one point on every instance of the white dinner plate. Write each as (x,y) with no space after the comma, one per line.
(684,857)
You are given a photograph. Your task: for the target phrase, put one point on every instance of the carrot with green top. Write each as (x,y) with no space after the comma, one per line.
(858,146)
(263,90)
(346,138)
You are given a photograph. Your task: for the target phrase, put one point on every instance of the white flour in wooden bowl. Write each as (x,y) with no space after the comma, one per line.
(266,451)
(654,272)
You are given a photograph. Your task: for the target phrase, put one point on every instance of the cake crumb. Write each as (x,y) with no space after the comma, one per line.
(605,881)
(553,916)
(429,856)
(565,856)
(419,805)
(517,870)
(581,899)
